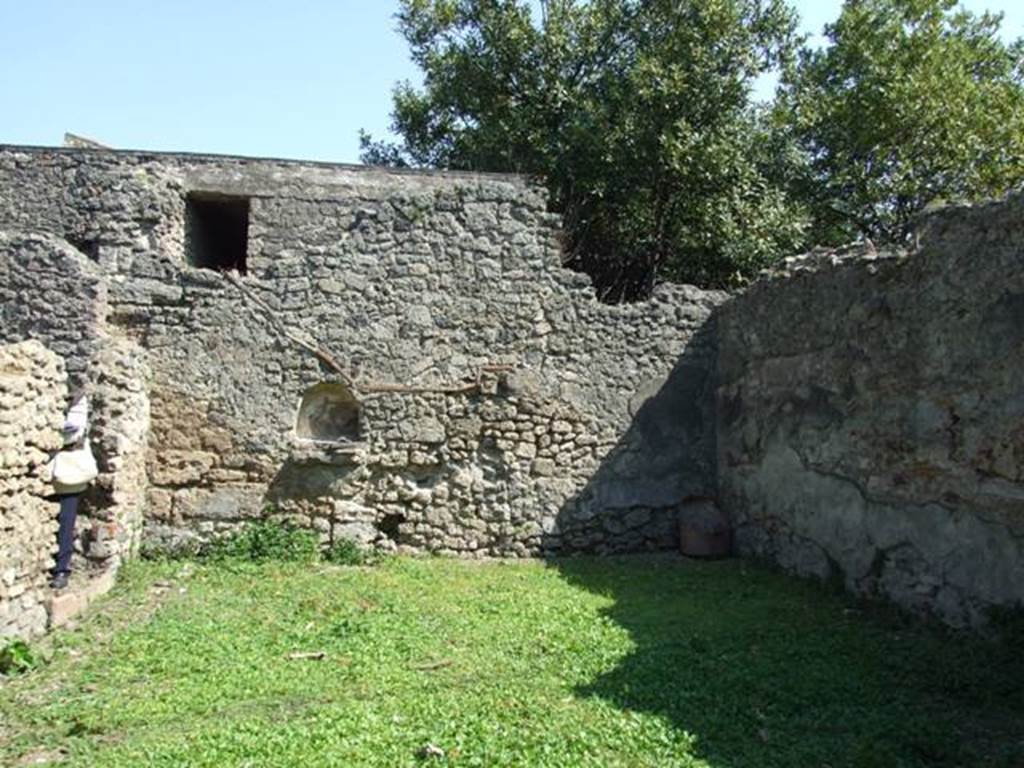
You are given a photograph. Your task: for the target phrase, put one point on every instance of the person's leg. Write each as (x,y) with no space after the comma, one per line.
(65,537)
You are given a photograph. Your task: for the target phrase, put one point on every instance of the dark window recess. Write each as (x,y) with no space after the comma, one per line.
(216,231)
(90,248)
(390,526)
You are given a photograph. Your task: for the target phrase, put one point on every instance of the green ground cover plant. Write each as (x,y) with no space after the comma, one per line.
(646,661)
(16,657)
(264,540)
(348,552)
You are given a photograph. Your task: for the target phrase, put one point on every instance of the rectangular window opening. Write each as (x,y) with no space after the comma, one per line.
(89,248)
(216,231)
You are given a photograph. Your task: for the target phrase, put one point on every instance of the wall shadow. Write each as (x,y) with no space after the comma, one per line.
(763,669)
(666,455)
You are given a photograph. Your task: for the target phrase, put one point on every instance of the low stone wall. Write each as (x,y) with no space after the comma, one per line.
(32,395)
(871,416)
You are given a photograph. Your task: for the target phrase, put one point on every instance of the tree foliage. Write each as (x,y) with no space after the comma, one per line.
(913,102)
(635,112)
(637,115)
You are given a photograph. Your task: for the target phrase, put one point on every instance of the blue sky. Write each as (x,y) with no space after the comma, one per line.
(254,77)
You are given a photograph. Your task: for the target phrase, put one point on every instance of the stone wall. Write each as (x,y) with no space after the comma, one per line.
(55,293)
(52,292)
(871,416)
(501,408)
(32,394)
(402,360)
(111,523)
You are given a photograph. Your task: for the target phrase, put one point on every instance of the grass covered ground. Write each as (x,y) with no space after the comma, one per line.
(622,662)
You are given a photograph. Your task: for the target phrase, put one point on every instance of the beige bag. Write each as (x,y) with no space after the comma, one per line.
(73,468)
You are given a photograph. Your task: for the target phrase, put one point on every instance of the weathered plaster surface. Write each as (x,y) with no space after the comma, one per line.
(871,415)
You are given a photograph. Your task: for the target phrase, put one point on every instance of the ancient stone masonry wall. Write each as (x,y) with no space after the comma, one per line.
(402,360)
(489,404)
(51,292)
(112,519)
(871,416)
(32,394)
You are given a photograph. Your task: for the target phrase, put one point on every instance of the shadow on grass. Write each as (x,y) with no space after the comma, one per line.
(766,670)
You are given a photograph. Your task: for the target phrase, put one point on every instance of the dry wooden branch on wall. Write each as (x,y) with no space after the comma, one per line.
(380,386)
(462,388)
(318,352)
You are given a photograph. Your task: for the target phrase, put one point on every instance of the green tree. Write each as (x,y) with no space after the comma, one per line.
(636,113)
(912,103)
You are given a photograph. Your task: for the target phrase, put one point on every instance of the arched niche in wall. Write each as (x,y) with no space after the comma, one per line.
(328,412)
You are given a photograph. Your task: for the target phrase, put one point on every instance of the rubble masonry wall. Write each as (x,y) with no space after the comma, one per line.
(32,393)
(503,410)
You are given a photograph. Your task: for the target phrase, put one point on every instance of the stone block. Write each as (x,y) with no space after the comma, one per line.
(84,590)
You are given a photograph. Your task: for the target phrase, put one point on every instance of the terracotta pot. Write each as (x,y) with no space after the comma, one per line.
(700,543)
(703,530)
